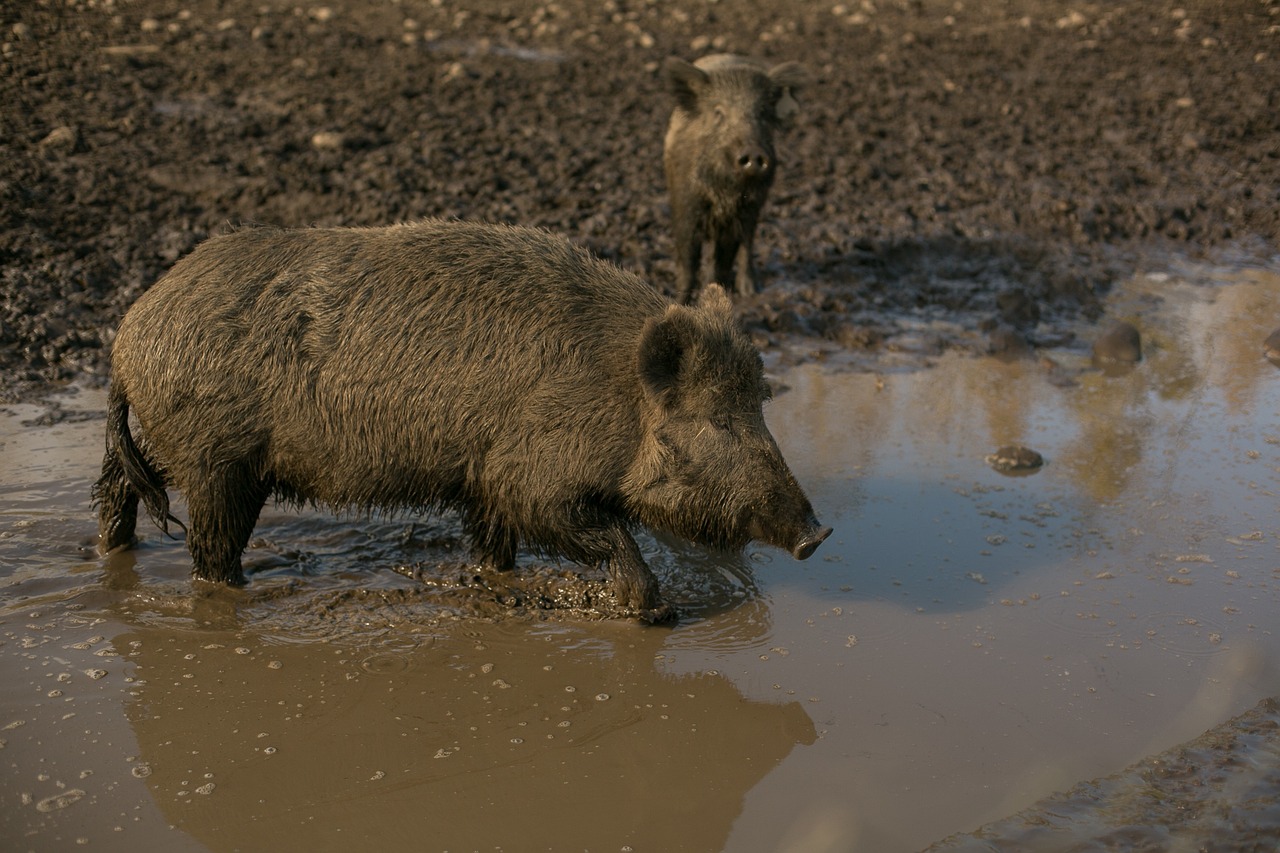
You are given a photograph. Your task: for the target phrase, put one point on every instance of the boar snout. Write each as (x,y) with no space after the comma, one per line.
(754,162)
(810,541)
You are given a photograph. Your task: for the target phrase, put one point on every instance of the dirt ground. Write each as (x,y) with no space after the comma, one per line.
(975,161)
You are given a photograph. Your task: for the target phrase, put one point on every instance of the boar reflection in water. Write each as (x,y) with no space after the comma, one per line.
(549,397)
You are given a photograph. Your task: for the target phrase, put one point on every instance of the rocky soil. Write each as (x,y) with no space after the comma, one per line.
(970,162)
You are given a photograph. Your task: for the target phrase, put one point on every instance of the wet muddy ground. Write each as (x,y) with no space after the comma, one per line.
(965,177)
(966,644)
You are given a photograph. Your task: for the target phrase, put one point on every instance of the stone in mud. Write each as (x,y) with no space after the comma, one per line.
(1014,458)
(552,399)
(1271,348)
(1017,308)
(1008,344)
(1119,344)
(720,160)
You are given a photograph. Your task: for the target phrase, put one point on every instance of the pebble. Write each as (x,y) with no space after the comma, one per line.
(1271,348)
(64,138)
(1119,344)
(1014,457)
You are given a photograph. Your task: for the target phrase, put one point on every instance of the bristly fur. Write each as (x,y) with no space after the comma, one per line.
(720,160)
(551,398)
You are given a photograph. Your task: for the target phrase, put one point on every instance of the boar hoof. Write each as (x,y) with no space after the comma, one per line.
(662,614)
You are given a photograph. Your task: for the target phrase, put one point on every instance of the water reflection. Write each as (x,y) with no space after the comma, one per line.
(504,737)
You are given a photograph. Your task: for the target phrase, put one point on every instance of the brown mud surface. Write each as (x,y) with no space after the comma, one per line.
(1214,794)
(969,161)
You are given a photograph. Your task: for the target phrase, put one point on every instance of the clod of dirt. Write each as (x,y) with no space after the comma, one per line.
(1119,344)
(1015,459)
(1008,344)
(1271,348)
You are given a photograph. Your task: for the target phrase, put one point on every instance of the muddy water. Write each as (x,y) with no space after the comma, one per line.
(965,644)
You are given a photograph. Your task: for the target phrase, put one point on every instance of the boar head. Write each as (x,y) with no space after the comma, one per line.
(708,468)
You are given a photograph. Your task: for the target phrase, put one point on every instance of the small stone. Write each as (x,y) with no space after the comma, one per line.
(1119,344)
(1014,458)
(1271,348)
(64,138)
(1007,343)
(328,141)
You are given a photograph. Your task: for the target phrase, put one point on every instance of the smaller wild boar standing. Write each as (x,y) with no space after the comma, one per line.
(720,160)
(552,399)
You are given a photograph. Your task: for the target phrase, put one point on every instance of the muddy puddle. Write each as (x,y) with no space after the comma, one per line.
(965,645)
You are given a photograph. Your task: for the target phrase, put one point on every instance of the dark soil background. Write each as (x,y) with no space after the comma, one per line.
(966,160)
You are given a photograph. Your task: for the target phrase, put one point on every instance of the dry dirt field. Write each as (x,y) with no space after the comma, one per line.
(978,161)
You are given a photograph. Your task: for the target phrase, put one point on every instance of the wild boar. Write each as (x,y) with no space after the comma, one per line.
(550,398)
(720,160)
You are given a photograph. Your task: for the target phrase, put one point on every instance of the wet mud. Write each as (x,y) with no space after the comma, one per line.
(953,166)
(969,645)
(1216,794)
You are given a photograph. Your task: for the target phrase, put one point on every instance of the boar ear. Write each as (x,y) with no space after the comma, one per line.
(662,351)
(685,81)
(714,299)
(789,75)
(789,78)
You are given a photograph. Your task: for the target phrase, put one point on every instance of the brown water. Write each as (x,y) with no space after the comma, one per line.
(965,644)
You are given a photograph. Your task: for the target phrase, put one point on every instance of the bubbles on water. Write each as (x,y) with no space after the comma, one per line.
(61,800)
(385,663)
(1184,634)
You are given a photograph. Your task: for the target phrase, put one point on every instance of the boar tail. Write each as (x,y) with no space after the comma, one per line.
(142,476)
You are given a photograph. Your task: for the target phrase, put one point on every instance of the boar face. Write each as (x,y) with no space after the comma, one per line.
(727,110)
(709,470)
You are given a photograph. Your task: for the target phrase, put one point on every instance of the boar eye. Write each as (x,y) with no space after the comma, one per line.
(722,424)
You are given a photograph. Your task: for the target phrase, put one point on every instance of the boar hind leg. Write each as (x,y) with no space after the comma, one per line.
(117,505)
(223,511)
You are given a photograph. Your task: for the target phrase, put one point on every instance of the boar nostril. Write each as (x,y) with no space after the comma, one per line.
(753,162)
(805,547)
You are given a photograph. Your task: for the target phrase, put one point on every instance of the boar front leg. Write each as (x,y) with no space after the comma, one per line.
(687,236)
(493,545)
(633,583)
(733,252)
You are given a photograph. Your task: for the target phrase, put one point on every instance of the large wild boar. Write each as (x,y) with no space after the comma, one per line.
(720,160)
(552,399)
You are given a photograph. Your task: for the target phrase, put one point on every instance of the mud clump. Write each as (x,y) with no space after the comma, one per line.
(937,164)
(1271,348)
(1119,344)
(1015,459)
